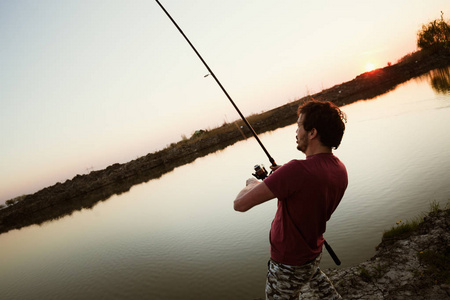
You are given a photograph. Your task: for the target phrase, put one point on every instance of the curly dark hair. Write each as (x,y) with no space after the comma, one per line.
(326,118)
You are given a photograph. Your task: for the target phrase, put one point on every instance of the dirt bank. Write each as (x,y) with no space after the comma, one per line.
(84,191)
(413,266)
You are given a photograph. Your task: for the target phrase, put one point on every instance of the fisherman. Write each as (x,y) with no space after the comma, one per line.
(308,192)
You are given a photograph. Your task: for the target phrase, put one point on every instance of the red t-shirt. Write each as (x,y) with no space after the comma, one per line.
(310,189)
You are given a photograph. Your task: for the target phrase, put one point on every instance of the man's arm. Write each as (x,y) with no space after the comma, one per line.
(254,193)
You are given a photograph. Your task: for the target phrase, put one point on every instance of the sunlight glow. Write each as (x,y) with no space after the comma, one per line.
(370,67)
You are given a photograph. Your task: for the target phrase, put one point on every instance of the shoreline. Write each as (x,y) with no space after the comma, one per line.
(84,191)
(413,265)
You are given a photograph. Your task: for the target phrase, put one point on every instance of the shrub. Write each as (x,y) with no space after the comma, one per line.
(10,202)
(15,200)
(435,35)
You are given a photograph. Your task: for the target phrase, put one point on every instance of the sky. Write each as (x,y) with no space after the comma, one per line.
(85,84)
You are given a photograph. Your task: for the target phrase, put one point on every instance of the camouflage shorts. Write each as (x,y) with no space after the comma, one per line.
(285,282)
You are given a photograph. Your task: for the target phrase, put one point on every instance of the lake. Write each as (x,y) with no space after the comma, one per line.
(178,237)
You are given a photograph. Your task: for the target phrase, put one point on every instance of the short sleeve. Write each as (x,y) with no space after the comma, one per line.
(286,180)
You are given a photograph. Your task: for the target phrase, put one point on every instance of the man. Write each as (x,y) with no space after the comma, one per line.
(308,192)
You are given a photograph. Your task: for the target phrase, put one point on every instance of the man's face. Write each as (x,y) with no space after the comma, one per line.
(302,135)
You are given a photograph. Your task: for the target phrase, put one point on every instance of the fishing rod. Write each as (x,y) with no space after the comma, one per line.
(272,161)
(260,172)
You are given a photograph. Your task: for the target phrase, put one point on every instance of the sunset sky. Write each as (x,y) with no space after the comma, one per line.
(85,84)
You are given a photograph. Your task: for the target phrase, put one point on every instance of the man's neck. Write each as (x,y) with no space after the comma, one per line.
(317,149)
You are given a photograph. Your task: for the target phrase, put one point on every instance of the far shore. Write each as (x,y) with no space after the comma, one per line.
(84,191)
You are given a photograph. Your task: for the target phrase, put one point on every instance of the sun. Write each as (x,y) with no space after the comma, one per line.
(370,67)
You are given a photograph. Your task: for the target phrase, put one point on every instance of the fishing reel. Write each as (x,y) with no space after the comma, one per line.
(260,172)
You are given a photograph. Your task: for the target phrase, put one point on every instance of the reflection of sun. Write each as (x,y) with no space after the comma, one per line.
(370,67)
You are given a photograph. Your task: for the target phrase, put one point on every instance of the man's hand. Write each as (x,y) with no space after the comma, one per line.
(274,168)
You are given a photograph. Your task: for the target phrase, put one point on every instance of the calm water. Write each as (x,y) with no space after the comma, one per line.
(178,237)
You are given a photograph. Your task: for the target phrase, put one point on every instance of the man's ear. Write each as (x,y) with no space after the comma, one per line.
(312,134)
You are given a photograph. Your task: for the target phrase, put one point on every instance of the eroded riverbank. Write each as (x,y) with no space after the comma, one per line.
(414,266)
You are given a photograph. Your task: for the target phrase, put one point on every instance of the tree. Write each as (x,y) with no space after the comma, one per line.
(435,35)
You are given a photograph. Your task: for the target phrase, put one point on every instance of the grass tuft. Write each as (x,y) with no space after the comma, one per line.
(365,274)
(402,229)
(438,265)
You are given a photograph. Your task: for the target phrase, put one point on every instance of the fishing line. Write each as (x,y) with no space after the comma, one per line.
(272,161)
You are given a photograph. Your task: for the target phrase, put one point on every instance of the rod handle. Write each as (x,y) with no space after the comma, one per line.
(332,254)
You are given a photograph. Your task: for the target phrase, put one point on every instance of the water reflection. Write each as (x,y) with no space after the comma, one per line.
(84,192)
(440,80)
